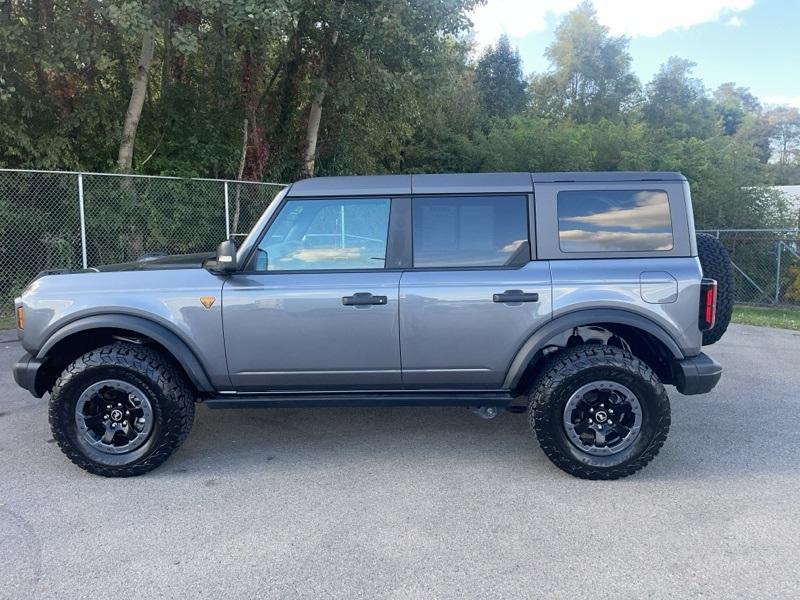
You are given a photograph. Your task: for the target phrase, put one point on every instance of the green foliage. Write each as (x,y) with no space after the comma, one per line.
(677,102)
(404,95)
(499,81)
(591,75)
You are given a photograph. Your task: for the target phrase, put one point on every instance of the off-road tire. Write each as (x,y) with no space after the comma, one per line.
(170,395)
(717,265)
(570,369)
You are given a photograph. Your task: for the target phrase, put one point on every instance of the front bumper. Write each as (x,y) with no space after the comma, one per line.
(697,374)
(26,373)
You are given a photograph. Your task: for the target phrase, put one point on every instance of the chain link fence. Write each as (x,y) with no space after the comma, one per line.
(766,264)
(66,220)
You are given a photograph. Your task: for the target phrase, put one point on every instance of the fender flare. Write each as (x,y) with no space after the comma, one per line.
(539,338)
(179,350)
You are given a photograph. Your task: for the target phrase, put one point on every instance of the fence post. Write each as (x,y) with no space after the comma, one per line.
(227,214)
(83,220)
(778,273)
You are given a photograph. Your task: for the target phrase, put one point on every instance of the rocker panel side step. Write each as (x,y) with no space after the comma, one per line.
(360,398)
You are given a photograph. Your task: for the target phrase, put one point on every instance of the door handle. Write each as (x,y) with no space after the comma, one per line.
(363,299)
(510,296)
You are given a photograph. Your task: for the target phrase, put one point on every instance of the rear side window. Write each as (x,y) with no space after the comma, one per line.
(470,231)
(614,221)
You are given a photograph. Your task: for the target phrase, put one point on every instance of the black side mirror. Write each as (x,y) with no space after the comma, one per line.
(225,261)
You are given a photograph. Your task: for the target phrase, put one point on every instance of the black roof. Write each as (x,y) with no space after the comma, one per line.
(456,183)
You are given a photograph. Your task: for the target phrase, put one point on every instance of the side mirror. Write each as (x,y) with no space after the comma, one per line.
(225,261)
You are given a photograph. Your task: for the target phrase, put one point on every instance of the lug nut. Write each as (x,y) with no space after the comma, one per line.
(591,410)
(127,412)
(611,411)
(124,423)
(610,423)
(105,416)
(590,421)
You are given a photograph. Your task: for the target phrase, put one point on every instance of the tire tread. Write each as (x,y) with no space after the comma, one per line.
(717,265)
(145,362)
(568,363)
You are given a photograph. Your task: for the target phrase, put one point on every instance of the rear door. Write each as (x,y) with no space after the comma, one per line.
(316,307)
(473,294)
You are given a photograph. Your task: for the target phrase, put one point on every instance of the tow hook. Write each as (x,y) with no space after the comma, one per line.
(485,412)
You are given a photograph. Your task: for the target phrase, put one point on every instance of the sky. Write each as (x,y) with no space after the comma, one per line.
(754,43)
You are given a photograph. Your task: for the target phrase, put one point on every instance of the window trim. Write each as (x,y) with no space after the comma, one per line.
(529,211)
(400,243)
(249,262)
(615,251)
(546,225)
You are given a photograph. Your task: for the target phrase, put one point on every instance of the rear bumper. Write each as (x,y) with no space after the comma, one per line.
(26,371)
(697,374)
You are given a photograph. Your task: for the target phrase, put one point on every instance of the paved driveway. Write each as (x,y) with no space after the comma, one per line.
(417,503)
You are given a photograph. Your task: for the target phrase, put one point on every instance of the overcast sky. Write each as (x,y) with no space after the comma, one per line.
(755,43)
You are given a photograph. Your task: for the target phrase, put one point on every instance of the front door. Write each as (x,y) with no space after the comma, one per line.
(315,307)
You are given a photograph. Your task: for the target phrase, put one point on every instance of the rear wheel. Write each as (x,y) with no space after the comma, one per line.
(717,265)
(599,412)
(121,410)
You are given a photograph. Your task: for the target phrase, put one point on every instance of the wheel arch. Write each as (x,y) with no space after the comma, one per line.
(80,336)
(628,324)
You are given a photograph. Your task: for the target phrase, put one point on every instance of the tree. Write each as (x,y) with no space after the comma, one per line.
(138,91)
(590,76)
(733,104)
(499,80)
(327,57)
(678,103)
(785,122)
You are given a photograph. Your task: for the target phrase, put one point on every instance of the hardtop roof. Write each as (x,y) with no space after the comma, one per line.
(460,183)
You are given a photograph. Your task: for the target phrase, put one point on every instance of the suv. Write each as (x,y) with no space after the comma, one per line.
(574,295)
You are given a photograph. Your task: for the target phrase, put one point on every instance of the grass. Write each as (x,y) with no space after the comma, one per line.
(767,316)
(8,322)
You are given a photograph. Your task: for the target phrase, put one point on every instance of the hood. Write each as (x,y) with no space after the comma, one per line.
(158,263)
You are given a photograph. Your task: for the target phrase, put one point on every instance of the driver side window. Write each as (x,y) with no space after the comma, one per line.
(330,234)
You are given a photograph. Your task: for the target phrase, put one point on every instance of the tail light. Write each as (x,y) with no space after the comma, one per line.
(708,304)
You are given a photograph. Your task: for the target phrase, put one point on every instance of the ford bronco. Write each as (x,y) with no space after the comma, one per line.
(574,296)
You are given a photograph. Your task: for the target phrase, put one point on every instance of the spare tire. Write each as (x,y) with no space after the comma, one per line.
(717,265)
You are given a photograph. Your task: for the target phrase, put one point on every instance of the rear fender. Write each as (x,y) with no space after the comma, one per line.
(541,336)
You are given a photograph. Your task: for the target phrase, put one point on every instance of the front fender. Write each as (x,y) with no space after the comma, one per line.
(158,333)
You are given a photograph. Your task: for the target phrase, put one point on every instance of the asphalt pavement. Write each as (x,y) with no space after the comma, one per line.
(417,503)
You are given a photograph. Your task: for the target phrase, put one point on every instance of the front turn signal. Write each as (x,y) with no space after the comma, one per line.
(20,318)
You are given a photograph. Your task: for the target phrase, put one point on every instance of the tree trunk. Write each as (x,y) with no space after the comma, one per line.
(312,129)
(315,114)
(134,112)
(237,205)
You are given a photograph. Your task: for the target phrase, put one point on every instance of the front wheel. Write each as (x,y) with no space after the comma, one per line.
(121,410)
(599,412)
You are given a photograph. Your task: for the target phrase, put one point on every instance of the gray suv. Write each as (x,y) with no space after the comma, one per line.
(574,296)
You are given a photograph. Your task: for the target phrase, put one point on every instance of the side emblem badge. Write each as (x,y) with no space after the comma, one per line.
(207,301)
